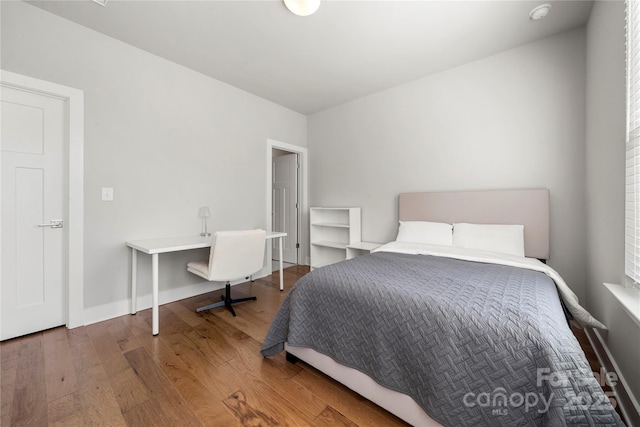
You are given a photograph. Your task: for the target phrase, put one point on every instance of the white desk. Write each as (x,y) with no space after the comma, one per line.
(154,247)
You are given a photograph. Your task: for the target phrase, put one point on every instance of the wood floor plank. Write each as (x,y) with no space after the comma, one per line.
(195,348)
(305,401)
(259,395)
(245,321)
(138,323)
(347,402)
(102,339)
(124,335)
(270,301)
(190,317)
(128,390)
(146,414)
(332,418)
(83,353)
(267,377)
(211,341)
(29,406)
(165,399)
(66,412)
(30,400)
(221,381)
(9,349)
(226,377)
(221,415)
(252,386)
(243,346)
(8,369)
(246,414)
(60,374)
(249,353)
(97,399)
(206,347)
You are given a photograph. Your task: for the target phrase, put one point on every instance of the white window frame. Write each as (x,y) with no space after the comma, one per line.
(632,162)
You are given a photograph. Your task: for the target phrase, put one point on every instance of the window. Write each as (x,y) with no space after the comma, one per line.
(632,190)
(629,294)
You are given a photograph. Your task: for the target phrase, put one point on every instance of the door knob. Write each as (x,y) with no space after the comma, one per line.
(54,223)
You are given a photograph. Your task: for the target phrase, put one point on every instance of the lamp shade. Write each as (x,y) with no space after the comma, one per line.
(302,7)
(204,212)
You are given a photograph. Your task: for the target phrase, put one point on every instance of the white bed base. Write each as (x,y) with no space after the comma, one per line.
(399,404)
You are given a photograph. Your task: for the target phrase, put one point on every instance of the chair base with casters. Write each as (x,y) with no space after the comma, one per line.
(233,255)
(226,301)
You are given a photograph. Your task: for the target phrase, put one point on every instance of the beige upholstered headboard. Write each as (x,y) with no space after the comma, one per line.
(527,207)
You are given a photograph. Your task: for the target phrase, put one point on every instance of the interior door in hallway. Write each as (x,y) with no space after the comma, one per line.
(285,205)
(32,143)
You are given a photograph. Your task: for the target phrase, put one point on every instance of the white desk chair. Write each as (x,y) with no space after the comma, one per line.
(234,255)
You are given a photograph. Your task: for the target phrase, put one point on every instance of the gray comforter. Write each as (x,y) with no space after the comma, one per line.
(471,343)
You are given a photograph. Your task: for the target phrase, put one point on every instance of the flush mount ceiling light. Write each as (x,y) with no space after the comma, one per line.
(302,7)
(540,12)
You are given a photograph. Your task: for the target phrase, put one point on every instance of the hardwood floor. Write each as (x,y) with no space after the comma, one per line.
(203,369)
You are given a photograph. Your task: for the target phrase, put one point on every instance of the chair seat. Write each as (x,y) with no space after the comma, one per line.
(233,255)
(201,268)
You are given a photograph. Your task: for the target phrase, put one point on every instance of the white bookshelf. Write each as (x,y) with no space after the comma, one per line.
(332,230)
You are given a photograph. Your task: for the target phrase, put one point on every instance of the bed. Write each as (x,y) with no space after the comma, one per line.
(446,329)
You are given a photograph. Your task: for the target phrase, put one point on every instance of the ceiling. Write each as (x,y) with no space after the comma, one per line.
(346,50)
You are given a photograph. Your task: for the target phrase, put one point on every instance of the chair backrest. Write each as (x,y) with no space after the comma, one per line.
(236,254)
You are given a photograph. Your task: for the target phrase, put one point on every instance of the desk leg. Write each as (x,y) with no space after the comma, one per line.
(134,280)
(154,306)
(281,278)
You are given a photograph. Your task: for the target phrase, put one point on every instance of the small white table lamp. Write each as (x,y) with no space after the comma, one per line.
(204,213)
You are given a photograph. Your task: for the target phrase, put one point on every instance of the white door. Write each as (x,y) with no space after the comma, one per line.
(33,142)
(285,202)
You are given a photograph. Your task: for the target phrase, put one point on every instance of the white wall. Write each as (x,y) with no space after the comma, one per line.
(605,162)
(167,139)
(513,120)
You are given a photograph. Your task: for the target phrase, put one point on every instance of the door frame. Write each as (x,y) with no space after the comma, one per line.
(74,184)
(295,197)
(303,257)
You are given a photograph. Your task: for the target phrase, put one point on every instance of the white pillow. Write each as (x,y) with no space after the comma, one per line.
(506,239)
(431,233)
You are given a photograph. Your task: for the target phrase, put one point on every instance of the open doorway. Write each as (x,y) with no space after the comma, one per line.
(285,201)
(284,204)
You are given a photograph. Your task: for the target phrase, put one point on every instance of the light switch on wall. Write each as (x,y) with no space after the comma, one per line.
(107,194)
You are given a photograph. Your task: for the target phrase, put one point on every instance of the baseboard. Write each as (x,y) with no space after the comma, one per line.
(120,308)
(626,401)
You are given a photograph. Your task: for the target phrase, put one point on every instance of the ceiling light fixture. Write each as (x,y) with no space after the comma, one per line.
(302,7)
(539,12)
